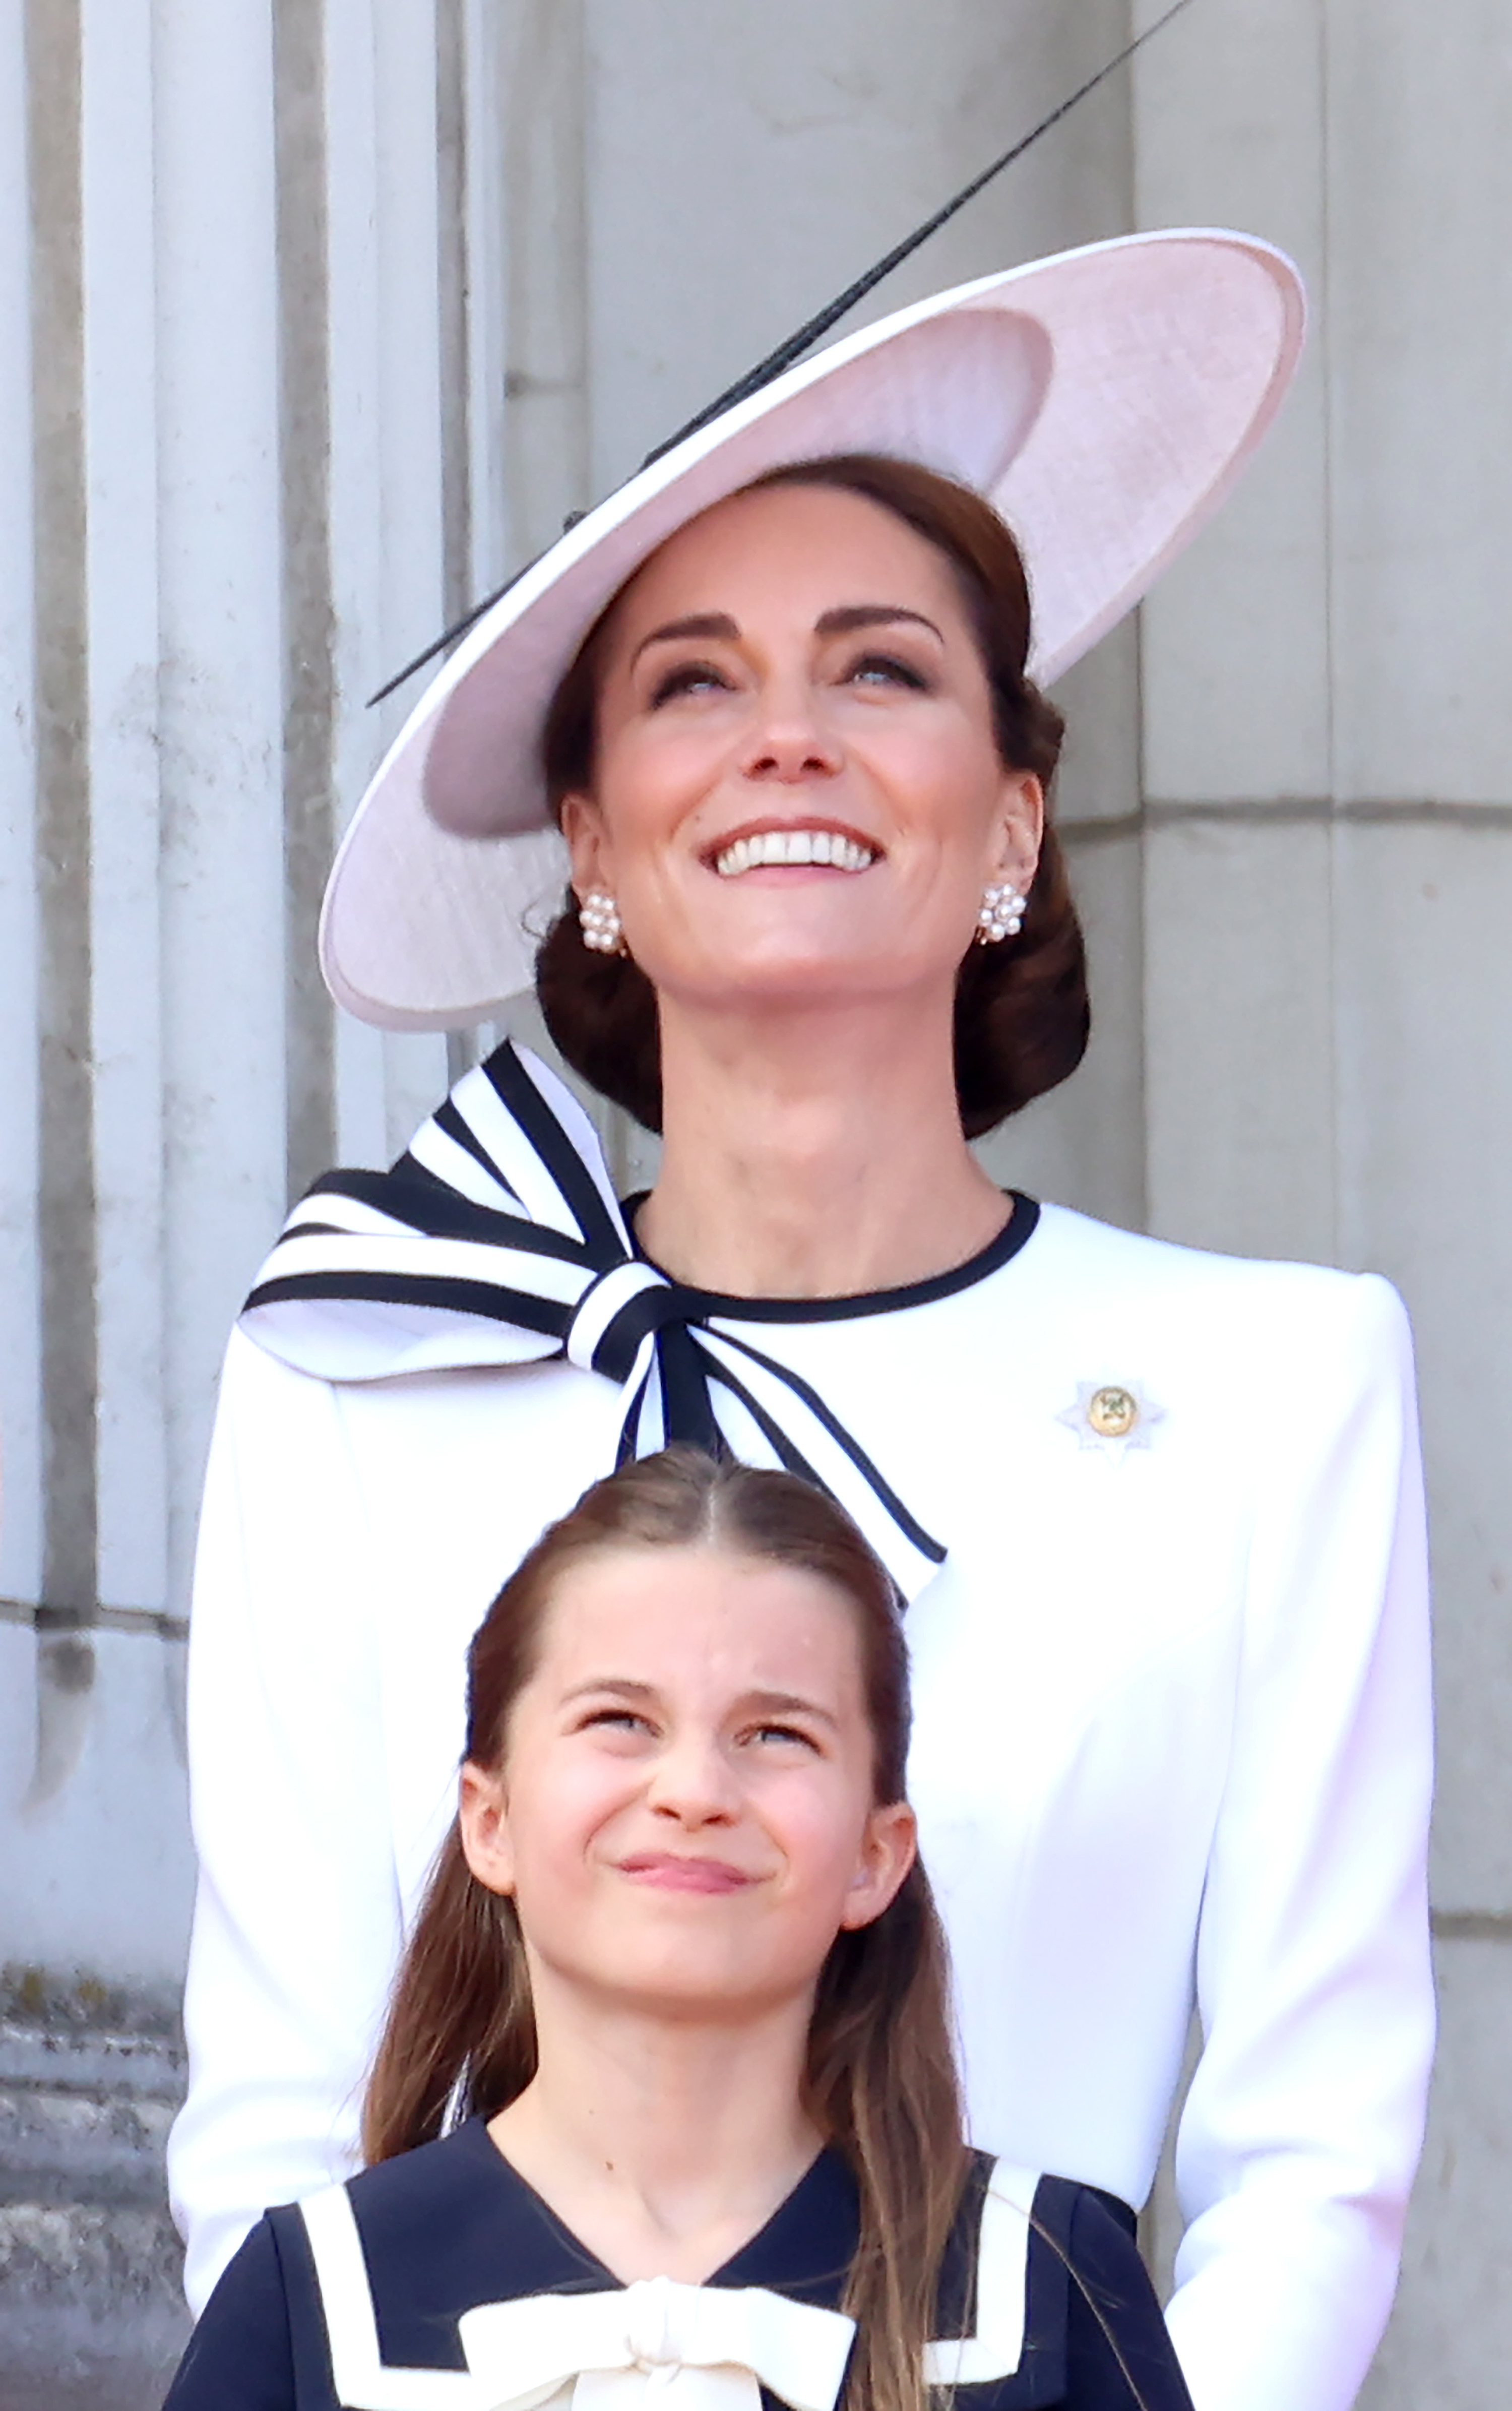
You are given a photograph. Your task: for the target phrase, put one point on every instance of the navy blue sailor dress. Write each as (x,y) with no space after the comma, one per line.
(441,2281)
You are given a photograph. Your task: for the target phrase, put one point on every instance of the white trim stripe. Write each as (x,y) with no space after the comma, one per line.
(363,2381)
(997,2348)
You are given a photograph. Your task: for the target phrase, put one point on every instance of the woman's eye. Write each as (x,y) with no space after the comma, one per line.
(613,1720)
(886,669)
(687,677)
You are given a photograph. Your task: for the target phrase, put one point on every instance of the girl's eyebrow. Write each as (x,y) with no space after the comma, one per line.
(759,1703)
(787,1703)
(841,622)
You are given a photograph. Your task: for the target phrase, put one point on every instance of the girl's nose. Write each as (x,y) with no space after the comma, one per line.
(693,1783)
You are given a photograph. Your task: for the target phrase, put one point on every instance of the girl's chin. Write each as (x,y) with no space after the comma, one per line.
(676,1995)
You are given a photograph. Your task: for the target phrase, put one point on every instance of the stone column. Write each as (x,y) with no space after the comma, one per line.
(252,389)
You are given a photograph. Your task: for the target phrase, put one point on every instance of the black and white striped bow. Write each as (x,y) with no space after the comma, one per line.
(496,1239)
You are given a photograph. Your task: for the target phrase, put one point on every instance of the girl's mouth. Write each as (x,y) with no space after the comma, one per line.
(669,1871)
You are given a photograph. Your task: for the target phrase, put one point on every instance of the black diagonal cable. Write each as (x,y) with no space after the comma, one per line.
(805,336)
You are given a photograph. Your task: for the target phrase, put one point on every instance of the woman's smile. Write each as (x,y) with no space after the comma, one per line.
(782,845)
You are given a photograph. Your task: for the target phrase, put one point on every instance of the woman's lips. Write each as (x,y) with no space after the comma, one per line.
(668,1872)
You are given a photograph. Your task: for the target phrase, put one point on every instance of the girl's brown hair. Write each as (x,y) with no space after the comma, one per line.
(1021,1015)
(880,2079)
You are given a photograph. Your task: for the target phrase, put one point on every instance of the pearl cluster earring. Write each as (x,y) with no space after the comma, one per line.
(598,916)
(1002,914)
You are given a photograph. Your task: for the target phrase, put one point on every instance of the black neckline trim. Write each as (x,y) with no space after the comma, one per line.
(1015,1234)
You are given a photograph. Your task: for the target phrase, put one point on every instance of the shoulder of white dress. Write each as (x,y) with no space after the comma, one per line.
(1077,1248)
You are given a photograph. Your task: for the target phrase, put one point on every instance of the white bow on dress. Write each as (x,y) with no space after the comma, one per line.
(656,2345)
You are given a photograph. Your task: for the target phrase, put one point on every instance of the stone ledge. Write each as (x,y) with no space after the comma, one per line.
(67,2146)
(91,2060)
(91,2314)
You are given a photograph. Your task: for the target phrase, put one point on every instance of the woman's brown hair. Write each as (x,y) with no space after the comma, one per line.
(1021,1015)
(881,2079)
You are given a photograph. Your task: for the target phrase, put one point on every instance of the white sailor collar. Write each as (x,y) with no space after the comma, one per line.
(657,2344)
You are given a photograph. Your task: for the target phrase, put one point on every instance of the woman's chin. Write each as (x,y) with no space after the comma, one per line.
(784,978)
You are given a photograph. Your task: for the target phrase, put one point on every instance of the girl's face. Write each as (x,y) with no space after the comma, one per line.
(684,1814)
(796,671)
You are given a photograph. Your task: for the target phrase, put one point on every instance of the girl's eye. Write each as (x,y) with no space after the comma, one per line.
(687,677)
(624,1721)
(780,1734)
(886,669)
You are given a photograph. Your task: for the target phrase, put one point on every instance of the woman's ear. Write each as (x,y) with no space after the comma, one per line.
(582,825)
(483,1827)
(889,1847)
(1021,828)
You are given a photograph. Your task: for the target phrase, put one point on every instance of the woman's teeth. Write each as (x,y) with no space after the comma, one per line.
(793,845)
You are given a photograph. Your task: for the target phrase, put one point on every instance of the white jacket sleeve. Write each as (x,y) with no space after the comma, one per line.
(1302,2129)
(297,1919)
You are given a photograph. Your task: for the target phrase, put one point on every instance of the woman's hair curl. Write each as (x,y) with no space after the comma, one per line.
(1022,1013)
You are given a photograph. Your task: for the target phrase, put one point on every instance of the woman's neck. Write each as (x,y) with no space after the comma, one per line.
(814,1154)
(662,2144)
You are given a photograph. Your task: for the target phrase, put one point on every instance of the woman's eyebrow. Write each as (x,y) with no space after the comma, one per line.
(842,621)
(847,617)
(699,623)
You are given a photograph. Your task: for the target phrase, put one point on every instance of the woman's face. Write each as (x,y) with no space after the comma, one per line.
(684,1814)
(795,673)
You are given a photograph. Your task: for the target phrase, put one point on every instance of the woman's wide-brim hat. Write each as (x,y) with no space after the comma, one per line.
(1103,401)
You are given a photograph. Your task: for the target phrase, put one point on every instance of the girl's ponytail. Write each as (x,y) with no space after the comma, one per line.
(460,2016)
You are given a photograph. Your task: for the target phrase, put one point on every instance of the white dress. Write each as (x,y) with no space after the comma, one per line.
(1172,1725)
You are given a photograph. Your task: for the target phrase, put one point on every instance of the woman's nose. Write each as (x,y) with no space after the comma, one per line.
(790,740)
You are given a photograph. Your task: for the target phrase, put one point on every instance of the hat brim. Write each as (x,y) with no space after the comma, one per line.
(1103,401)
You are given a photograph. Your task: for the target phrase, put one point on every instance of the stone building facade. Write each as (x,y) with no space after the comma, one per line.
(317,317)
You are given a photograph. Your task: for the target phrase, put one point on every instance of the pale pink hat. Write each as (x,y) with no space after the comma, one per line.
(1103,401)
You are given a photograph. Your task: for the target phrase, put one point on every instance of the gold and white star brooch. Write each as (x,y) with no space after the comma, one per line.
(1112,1417)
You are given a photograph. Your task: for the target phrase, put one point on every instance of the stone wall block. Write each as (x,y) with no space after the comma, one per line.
(97,1881)
(1450,2339)
(1227,120)
(1424,987)
(1420,334)
(762,159)
(1238,1030)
